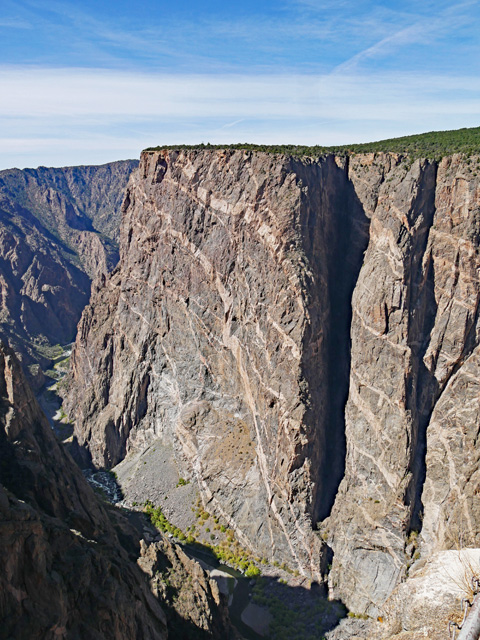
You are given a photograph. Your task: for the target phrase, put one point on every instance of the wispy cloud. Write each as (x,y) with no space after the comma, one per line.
(425,30)
(14,23)
(296,35)
(233,124)
(36,92)
(57,112)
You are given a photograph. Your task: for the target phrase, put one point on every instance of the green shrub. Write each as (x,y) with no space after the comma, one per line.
(252,571)
(431,145)
(158,519)
(360,616)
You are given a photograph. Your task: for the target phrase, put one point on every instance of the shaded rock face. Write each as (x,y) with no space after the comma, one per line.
(183,585)
(68,562)
(58,230)
(62,565)
(304,334)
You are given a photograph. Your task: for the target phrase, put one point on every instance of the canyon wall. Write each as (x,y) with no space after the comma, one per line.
(58,230)
(304,333)
(412,414)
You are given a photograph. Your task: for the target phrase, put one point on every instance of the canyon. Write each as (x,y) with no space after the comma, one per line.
(303,334)
(73,566)
(291,341)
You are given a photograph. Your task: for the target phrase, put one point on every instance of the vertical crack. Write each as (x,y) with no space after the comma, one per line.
(422,386)
(335,234)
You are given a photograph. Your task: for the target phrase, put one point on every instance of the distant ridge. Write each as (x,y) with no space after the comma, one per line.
(433,145)
(59,230)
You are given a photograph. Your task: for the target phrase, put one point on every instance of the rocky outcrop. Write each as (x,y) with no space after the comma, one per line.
(183,585)
(304,333)
(423,606)
(68,562)
(58,230)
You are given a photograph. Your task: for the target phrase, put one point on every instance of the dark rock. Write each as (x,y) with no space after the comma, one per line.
(68,562)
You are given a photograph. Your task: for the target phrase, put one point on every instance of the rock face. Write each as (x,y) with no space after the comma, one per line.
(182,583)
(304,333)
(58,230)
(67,561)
(412,413)
(210,331)
(423,606)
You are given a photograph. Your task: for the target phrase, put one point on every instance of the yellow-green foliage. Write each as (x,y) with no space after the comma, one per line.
(158,519)
(360,616)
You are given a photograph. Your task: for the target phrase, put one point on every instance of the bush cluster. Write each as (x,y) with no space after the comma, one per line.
(159,520)
(432,145)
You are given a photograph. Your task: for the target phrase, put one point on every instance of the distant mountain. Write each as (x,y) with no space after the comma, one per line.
(58,230)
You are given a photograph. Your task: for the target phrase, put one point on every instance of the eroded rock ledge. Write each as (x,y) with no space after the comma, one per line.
(305,334)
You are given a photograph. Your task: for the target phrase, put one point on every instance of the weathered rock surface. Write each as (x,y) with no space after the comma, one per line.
(58,230)
(182,583)
(210,331)
(412,413)
(67,562)
(304,333)
(432,596)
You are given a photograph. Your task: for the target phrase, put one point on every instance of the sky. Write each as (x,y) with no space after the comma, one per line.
(96,80)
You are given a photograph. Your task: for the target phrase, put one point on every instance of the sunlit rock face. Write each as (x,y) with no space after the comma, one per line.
(304,333)
(412,413)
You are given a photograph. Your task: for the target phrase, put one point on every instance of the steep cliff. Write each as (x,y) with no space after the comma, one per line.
(58,230)
(304,333)
(210,331)
(412,413)
(68,562)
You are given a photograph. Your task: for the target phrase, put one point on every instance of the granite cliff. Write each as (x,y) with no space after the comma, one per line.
(73,566)
(58,230)
(304,334)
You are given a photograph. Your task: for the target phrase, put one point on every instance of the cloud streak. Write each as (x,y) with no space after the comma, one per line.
(424,31)
(108,114)
(34,92)
(299,35)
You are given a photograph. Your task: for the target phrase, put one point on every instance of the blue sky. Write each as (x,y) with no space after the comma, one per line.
(90,82)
